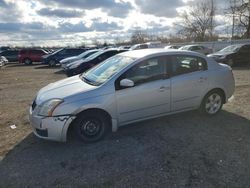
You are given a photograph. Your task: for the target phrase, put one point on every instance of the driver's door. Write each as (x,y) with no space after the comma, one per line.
(151,94)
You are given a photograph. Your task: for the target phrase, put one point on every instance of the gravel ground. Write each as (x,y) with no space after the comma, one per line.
(184,150)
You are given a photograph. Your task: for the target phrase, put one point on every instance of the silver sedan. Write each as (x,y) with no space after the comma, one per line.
(130,87)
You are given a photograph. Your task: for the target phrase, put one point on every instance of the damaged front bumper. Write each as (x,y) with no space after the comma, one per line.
(50,128)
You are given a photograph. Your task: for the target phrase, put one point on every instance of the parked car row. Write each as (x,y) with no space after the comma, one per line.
(232,55)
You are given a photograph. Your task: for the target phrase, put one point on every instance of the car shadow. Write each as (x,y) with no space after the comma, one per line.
(183,150)
(47,67)
(59,72)
(22,65)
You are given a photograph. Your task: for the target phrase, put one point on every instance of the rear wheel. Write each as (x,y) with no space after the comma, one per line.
(91,127)
(27,61)
(212,103)
(52,63)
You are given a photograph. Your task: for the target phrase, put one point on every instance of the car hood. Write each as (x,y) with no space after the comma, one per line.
(66,60)
(62,89)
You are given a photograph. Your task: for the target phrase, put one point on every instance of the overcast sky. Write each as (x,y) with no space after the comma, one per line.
(57,22)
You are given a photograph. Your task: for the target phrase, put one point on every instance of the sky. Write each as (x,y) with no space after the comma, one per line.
(77,22)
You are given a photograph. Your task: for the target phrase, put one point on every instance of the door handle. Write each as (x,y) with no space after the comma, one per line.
(202,79)
(164,88)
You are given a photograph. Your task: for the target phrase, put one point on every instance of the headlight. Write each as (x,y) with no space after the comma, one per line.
(47,108)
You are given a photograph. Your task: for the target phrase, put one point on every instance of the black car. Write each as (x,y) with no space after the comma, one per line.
(57,56)
(10,55)
(81,66)
(238,54)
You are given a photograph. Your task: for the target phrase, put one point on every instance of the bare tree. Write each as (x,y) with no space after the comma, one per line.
(240,10)
(138,36)
(198,22)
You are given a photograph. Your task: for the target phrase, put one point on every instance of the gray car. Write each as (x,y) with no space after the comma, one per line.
(197,48)
(130,87)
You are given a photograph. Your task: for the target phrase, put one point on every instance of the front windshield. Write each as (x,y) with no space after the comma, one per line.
(93,56)
(57,51)
(184,47)
(102,72)
(87,53)
(233,48)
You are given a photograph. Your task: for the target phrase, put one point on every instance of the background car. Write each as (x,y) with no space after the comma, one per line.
(81,66)
(11,55)
(28,56)
(57,56)
(238,54)
(197,48)
(83,55)
(130,87)
(146,45)
(4,48)
(172,47)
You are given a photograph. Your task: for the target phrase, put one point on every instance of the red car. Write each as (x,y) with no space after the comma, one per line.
(27,56)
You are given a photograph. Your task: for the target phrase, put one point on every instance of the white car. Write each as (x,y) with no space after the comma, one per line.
(197,48)
(130,87)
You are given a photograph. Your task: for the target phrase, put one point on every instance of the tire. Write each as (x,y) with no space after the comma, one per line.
(230,62)
(212,103)
(52,63)
(27,61)
(91,127)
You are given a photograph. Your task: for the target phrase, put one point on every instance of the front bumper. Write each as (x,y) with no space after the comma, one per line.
(50,128)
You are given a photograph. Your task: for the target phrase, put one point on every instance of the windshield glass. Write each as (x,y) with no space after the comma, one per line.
(87,53)
(233,48)
(184,48)
(102,72)
(57,51)
(93,56)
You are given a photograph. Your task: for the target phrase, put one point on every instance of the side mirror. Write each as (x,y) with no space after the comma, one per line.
(127,83)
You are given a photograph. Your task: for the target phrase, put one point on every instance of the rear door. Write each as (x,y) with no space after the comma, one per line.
(188,81)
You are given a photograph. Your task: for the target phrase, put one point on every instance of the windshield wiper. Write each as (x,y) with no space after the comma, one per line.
(88,81)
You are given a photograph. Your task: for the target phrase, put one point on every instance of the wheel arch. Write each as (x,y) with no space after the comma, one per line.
(113,124)
(216,89)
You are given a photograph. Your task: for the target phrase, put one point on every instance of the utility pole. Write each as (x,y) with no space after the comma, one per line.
(211,19)
(233,10)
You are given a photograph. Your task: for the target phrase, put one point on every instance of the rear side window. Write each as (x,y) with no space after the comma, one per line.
(186,64)
(36,51)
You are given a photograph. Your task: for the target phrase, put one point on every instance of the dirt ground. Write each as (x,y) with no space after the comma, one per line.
(184,150)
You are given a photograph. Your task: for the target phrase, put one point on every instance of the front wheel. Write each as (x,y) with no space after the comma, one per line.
(212,103)
(91,127)
(27,61)
(52,63)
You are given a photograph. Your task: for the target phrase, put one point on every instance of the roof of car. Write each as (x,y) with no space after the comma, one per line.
(155,51)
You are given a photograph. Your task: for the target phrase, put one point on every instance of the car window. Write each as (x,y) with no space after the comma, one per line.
(36,51)
(147,71)
(193,48)
(187,64)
